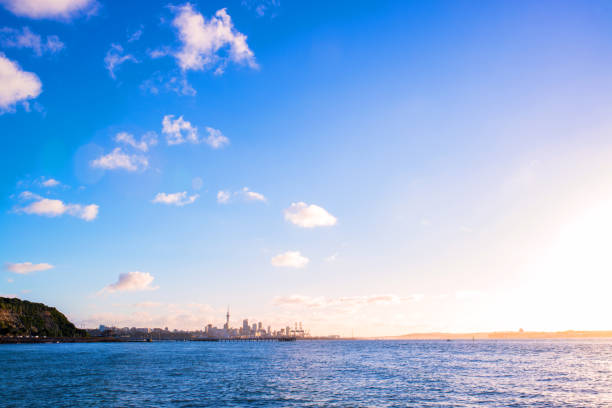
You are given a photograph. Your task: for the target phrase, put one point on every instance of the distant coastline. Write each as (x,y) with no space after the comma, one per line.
(505,335)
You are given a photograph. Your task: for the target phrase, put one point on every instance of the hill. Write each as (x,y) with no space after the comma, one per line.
(23,318)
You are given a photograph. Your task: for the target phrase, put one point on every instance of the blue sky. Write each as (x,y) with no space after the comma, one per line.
(382,167)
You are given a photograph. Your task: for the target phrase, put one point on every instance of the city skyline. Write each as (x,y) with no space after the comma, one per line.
(367,169)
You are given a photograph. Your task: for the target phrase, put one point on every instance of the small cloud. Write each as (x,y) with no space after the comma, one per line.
(131,282)
(117,159)
(23,268)
(10,280)
(252,195)
(203,38)
(177,199)
(54,9)
(28,195)
(17,85)
(223,196)
(25,38)
(178,130)
(215,138)
(309,216)
(168,83)
(49,182)
(115,57)
(54,208)
(289,259)
(146,141)
(135,36)
(262,7)
(425,222)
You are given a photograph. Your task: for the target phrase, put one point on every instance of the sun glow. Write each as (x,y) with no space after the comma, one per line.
(571,282)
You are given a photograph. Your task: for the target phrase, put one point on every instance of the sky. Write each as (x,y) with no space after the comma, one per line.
(367,168)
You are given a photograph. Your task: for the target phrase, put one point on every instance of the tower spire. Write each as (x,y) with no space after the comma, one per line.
(227,316)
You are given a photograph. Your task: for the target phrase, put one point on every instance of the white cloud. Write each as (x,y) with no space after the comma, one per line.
(169,83)
(178,199)
(25,38)
(215,138)
(178,130)
(147,140)
(115,57)
(290,259)
(49,183)
(135,36)
(223,196)
(130,282)
(117,159)
(24,268)
(60,9)
(28,195)
(54,208)
(202,40)
(252,195)
(309,216)
(17,85)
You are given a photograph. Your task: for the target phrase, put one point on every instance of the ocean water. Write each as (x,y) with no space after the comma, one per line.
(308,374)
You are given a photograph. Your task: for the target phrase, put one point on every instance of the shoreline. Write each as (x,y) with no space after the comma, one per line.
(433,337)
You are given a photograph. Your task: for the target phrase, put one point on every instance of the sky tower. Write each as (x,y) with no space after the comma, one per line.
(227,316)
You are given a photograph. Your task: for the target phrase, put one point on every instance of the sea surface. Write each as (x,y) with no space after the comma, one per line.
(308,374)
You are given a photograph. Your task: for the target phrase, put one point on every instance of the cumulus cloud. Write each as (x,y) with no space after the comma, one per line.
(146,141)
(179,131)
(117,159)
(215,138)
(54,208)
(17,85)
(23,268)
(55,9)
(225,196)
(290,259)
(115,57)
(25,38)
(309,216)
(203,40)
(131,282)
(178,199)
